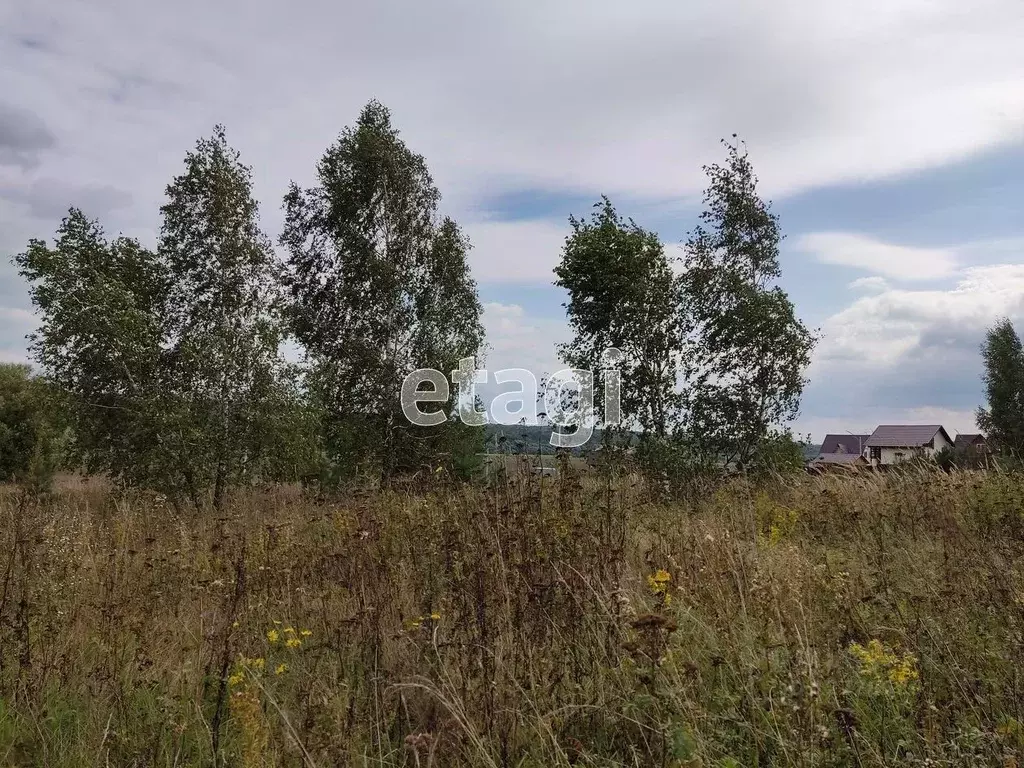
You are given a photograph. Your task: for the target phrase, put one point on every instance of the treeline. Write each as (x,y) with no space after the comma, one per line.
(169,363)
(166,368)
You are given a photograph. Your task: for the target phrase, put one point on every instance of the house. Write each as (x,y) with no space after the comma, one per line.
(845,443)
(894,443)
(970,443)
(837,461)
(847,451)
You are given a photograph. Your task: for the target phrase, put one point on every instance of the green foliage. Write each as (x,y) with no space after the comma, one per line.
(379,286)
(30,434)
(101,306)
(1003,420)
(623,294)
(168,361)
(750,351)
(221,366)
(779,453)
(969,457)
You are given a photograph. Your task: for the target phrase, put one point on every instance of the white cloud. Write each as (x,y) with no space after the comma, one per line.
(877,330)
(15,324)
(12,356)
(580,95)
(873,284)
(899,262)
(519,340)
(50,198)
(910,355)
(515,251)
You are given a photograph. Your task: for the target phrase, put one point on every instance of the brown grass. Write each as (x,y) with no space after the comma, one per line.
(514,627)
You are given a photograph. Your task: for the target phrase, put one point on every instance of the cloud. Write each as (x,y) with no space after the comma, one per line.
(579,96)
(899,262)
(515,251)
(873,284)
(879,330)
(15,324)
(23,137)
(50,198)
(900,355)
(519,340)
(12,316)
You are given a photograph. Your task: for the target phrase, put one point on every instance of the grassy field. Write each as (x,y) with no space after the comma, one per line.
(820,622)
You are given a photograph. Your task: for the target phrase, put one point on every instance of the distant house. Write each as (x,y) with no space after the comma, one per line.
(846,451)
(970,442)
(826,462)
(845,443)
(892,444)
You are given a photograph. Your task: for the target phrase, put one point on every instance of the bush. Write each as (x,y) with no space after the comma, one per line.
(29,435)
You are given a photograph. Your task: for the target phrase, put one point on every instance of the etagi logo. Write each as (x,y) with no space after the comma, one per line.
(568,398)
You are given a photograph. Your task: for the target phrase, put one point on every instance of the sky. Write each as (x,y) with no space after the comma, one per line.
(889,135)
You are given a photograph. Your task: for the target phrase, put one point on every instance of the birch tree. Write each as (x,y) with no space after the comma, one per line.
(222,368)
(378,286)
(749,349)
(623,294)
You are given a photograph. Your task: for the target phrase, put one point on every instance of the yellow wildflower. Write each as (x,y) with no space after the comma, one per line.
(276,622)
(236,678)
(659,584)
(879,662)
(293,642)
(273,636)
(280,669)
(904,672)
(435,616)
(305,633)
(289,630)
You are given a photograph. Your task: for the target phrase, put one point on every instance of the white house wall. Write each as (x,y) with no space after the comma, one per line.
(888,455)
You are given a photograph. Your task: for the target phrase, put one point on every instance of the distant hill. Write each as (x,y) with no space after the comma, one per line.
(522,438)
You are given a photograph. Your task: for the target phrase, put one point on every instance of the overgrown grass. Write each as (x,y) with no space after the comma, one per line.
(821,622)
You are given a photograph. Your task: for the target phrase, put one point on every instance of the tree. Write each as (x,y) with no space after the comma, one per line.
(222,370)
(168,361)
(30,433)
(99,344)
(746,371)
(378,287)
(623,294)
(1003,420)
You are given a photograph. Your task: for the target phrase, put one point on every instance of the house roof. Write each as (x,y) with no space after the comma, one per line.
(839,458)
(904,435)
(963,441)
(843,444)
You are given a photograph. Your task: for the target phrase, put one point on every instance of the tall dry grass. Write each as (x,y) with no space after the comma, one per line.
(819,622)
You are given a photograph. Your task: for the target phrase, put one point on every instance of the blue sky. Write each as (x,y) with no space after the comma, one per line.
(889,134)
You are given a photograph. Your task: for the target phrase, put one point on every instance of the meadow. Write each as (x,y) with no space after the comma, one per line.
(832,621)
